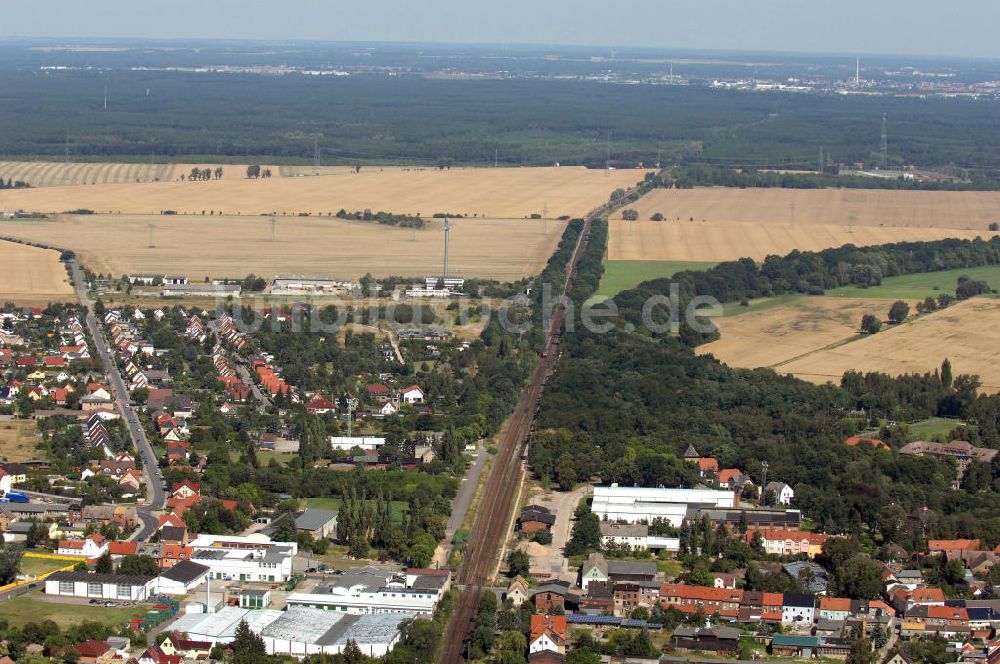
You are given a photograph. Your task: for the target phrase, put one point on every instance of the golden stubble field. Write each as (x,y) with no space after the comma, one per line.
(815,339)
(717,224)
(500,193)
(199,246)
(770,336)
(58,174)
(967,333)
(967,210)
(725,241)
(32,276)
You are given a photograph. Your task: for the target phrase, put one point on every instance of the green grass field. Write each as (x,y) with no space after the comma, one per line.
(398,506)
(623,275)
(919,286)
(38,566)
(935,426)
(34,608)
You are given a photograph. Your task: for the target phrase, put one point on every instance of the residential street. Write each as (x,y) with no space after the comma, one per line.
(460,507)
(155,493)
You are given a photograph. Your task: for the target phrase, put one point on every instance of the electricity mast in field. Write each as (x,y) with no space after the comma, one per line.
(884,156)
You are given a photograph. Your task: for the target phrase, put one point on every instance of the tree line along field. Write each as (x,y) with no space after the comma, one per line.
(233,246)
(483,192)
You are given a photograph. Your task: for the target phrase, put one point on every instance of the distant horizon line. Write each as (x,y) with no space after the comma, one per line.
(500,45)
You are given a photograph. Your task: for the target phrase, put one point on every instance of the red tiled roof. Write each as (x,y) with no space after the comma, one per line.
(926,595)
(729,474)
(953,545)
(854,441)
(554,625)
(117,548)
(91,648)
(947,613)
(834,604)
(685,591)
(707,464)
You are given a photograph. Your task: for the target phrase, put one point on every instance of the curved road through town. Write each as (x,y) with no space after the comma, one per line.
(156,495)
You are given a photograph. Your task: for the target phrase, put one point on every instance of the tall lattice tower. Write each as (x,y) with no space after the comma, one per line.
(884,150)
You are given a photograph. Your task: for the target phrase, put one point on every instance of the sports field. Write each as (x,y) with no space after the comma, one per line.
(199,246)
(499,193)
(32,276)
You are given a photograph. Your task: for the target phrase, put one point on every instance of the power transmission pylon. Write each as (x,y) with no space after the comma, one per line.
(885,143)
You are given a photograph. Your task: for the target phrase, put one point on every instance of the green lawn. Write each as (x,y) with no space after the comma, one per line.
(919,286)
(398,506)
(624,275)
(935,426)
(38,566)
(33,608)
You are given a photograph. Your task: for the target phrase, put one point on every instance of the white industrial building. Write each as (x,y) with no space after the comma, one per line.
(366,443)
(642,505)
(371,589)
(220,627)
(251,558)
(311,283)
(298,631)
(637,536)
(183,577)
(101,586)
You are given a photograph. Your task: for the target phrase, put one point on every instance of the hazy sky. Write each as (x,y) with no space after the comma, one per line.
(960,28)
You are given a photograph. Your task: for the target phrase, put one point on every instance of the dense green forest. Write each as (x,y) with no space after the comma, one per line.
(624,406)
(173,115)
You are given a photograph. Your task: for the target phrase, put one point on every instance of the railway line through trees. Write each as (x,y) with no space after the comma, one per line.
(489,529)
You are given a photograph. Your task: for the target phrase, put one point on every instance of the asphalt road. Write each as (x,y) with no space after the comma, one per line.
(156,495)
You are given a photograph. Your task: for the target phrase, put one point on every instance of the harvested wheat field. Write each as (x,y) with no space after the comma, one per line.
(770,336)
(966,210)
(32,276)
(57,173)
(967,333)
(724,241)
(508,193)
(199,246)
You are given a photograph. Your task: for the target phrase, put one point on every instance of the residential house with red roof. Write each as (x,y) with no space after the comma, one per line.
(548,633)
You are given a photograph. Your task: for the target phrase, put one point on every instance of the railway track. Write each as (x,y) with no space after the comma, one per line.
(493,515)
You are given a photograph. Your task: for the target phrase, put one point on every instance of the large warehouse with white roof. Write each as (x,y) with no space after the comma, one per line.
(641,504)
